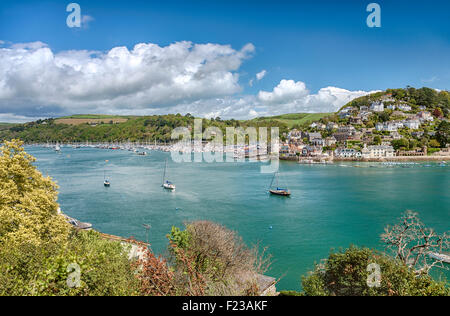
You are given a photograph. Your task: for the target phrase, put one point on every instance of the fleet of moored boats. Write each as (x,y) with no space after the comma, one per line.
(275,188)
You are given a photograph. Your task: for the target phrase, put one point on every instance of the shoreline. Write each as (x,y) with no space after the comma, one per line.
(397,159)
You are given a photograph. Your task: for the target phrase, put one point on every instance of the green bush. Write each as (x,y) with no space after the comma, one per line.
(345,273)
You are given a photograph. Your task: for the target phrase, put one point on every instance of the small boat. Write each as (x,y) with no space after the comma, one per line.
(106,182)
(168,185)
(142,153)
(277,190)
(440,257)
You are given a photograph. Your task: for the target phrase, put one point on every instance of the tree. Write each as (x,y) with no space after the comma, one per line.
(443,133)
(438,113)
(351,273)
(37,245)
(400,143)
(28,201)
(434,143)
(377,140)
(215,260)
(412,243)
(155,276)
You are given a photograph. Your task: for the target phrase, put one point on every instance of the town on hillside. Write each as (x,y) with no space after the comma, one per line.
(376,128)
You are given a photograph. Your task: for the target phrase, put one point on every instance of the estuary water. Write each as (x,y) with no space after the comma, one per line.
(331,206)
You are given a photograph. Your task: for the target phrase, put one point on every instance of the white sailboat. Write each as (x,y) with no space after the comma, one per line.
(277,190)
(166,183)
(106,182)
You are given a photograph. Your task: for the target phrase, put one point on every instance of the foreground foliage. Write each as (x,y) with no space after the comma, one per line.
(38,248)
(205,259)
(346,273)
(37,245)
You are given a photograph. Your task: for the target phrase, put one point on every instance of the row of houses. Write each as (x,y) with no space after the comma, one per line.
(379,106)
(412,123)
(368,152)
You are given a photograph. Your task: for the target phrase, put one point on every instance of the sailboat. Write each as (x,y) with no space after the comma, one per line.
(166,183)
(106,182)
(277,190)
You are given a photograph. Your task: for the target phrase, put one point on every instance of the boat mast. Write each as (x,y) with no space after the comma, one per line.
(273,178)
(164,174)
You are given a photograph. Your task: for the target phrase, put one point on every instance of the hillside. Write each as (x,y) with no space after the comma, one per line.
(110,128)
(94,128)
(294,119)
(430,98)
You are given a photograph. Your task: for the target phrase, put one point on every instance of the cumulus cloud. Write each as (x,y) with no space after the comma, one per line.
(290,96)
(148,76)
(12,118)
(202,79)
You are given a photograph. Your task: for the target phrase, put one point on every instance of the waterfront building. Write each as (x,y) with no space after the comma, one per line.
(347,153)
(330,141)
(377,151)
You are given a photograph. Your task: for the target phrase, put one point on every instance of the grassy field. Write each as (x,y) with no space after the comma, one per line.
(92,116)
(294,118)
(79,121)
(289,119)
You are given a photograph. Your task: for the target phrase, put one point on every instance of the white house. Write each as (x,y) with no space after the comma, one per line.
(377,107)
(424,116)
(412,124)
(381,151)
(387,126)
(347,153)
(391,107)
(404,107)
(331,126)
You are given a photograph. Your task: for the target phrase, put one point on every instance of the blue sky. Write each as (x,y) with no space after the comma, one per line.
(318,43)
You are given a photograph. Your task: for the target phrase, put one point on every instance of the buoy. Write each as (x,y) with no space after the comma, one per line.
(270,227)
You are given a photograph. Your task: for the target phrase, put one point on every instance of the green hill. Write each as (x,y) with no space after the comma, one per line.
(430,98)
(95,128)
(112,128)
(294,119)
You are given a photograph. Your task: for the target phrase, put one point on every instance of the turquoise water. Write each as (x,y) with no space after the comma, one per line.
(331,206)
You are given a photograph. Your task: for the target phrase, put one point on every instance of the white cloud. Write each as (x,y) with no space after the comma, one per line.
(148,76)
(261,75)
(12,118)
(285,92)
(290,97)
(183,77)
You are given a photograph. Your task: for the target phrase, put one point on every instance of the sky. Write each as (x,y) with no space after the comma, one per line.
(234,59)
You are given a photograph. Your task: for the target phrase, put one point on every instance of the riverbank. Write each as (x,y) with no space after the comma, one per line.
(397,159)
